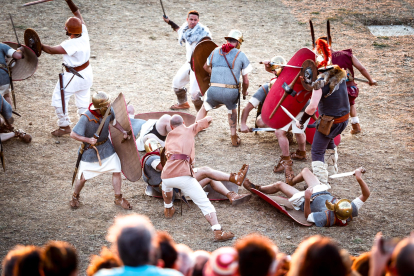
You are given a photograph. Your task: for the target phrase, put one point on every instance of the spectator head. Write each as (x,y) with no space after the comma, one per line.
(59,258)
(28,261)
(222,262)
(166,245)
(106,259)
(361,264)
(200,259)
(9,262)
(184,262)
(402,259)
(317,256)
(256,255)
(131,237)
(176,121)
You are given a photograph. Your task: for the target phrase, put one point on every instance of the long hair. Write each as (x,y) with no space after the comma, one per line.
(323,46)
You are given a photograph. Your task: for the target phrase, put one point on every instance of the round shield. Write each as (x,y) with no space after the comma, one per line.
(198,59)
(32,40)
(308,73)
(22,68)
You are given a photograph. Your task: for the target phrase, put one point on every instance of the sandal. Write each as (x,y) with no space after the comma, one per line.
(119,200)
(235,140)
(178,106)
(239,177)
(22,136)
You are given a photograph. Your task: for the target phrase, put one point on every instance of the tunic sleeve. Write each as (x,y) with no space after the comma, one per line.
(80,126)
(200,125)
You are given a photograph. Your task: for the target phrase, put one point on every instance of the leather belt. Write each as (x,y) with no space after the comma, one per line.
(341,119)
(3,66)
(231,86)
(97,144)
(80,68)
(179,156)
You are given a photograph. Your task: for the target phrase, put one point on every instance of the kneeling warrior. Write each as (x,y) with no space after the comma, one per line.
(97,155)
(152,167)
(318,205)
(330,96)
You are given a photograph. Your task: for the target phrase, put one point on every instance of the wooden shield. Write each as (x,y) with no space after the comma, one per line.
(211,194)
(127,150)
(293,104)
(284,206)
(32,40)
(310,132)
(25,67)
(198,59)
(188,118)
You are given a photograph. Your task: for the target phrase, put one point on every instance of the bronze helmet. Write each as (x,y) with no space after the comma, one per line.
(342,208)
(276,62)
(100,101)
(152,145)
(237,35)
(73,25)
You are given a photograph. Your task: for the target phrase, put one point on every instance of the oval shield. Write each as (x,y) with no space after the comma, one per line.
(198,59)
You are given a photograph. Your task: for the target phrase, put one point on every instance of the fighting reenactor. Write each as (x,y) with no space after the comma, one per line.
(226,64)
(318,205)
(97,155)
(78,78)
(190,33)
(7,51)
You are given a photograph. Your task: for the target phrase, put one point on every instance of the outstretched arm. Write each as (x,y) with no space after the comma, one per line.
(310,110)
(54,50)
(121,129)
(174,26)
(358,65)
(75,10)
(364,187)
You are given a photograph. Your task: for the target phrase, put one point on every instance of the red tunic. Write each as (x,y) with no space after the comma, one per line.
(343,59)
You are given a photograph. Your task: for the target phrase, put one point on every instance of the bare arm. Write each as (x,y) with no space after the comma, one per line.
(171,23)
(121,129)
(78,15)
(245,84)
(54,50)
(308,194)
(364,187)
(358,65)
(75,10)
(19,53)
(313,105)
(207,68)
(84,139)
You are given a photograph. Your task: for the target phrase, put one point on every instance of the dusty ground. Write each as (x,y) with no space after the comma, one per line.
(136,53)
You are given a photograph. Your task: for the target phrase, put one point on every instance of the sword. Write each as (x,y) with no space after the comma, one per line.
(286,65)
(289,114)
(262,129)
(312,33)
(72,70)
(2,157)
(15,31)
(328,27)
(82,149)
(162,6)
(344,174)
(35,2)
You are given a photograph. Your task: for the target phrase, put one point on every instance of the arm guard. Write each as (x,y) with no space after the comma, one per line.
(72,6)
(304,118)
(173,25)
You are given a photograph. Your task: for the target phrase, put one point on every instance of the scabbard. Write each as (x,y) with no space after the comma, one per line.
(12,87)
(82,149)
(62,92)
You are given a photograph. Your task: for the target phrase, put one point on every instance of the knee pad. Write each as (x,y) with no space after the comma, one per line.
(331,159)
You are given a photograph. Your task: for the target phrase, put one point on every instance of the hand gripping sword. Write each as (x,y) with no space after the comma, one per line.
(162,6)
(96,136)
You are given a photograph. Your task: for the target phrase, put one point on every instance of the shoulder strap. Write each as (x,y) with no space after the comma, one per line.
(234,60)
(90,120)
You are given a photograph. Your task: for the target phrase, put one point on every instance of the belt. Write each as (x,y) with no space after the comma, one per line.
(96,144)
(231,86)
(341,119)
(179,156)
(3,66)
(80,68)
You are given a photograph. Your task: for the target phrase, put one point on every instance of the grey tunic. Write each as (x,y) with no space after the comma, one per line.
(87,126)
(5,108)
(220,73)
(150,175)
(261,94)
(4,76)
(136,126)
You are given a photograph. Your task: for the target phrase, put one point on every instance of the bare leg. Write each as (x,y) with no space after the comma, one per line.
(353,111)
(79,185)
(163,124)
(201,113)
(232,121)
(310,178)
(301,139)
(283,141)
(207,172)
(212,218)
(116,182)
(279,186)
(260,123)
(215,185)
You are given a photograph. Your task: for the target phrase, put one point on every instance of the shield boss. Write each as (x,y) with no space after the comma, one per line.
(308,73)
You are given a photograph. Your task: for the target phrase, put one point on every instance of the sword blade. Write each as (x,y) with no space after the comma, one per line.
(342,174)
(263,129)
(14,29)
(328,26)
(162,6)
(35,2)
(362,80)
(312,33)
(289,114)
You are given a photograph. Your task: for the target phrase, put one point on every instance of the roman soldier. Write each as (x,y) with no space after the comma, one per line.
(97,154)
(318,205)
(78,78)
(190,33)
(226,64)
(7,51)
(152,167)
(7,130)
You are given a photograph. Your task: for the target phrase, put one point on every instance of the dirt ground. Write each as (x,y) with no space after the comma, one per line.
(136,53)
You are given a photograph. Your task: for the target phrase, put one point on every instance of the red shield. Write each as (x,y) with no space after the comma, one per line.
(127,150)
(25,67)
(310,132)
(293,104)
(198,59)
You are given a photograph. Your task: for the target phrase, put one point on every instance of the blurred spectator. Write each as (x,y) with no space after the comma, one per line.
(200,259)
(222,262)
(132,239)
(256,255)
(185,261)
(105,259)
(166,245)
(9,262)
(361,264)
(60,259)
(28,262)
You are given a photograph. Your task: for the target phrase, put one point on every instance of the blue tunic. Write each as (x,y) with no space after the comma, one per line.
(5,108)
(4,76)
(150,175)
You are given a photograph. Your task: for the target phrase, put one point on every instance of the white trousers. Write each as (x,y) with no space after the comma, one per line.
(82,98)
(186,75)
(190,187)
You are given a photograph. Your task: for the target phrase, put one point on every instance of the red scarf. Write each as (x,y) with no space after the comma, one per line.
(226,47)
(94,113)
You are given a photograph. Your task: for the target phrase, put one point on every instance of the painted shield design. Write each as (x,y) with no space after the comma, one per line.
(126,149)
(198,59)
(32,40)
(293,102)
(22,68)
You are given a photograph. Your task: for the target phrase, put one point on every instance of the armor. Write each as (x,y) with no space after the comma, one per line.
(276,62)
(100,101)
(342,209)
(73,25)
(237,35)
(152,145)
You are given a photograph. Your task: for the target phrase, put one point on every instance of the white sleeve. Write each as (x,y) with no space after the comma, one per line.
(247,70)
(255,102)
(155,163)
(311,218)
(358,203)
(10,52)
(69,47)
